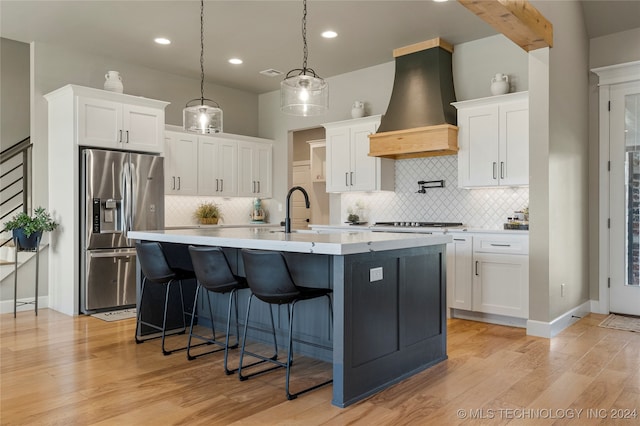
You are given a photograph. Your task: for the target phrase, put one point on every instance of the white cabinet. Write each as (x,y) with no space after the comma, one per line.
(181,160)
(217,166)
(117,121)
(254,169)
(348,165)
(501,275)
(493,138)
(459,267)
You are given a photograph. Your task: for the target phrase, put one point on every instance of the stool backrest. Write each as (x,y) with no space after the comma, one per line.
(268,276)
(153,263)
(211,267)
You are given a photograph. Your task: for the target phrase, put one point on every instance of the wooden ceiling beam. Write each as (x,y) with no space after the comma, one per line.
(518,20)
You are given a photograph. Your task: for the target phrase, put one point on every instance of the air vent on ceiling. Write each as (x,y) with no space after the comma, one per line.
(271,72)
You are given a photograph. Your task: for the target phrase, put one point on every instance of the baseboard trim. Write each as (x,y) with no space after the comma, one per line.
(6,306)
(552,328)
(490,318)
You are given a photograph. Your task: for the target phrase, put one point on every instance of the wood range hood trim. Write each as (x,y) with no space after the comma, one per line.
(438,134)
(427,141)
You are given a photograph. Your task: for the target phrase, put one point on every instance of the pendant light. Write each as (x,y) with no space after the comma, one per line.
(303,92)
(205,117)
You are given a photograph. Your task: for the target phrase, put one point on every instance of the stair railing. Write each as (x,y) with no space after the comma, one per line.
(15,182)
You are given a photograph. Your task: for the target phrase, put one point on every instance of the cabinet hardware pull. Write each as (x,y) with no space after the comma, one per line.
(127,133)
(477,267)
(120,138)
(178,183)
(351,178)
(174,183)
(502,170)
(346,178)
(253,183)
(500,245)
(221,184)
(217,186)
(495,170)
(258,187)
(459,239)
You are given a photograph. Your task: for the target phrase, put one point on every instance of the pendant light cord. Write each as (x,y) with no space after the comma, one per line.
(202,52)
(305,50)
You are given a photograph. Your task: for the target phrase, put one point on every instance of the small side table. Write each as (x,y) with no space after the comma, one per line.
(15,276)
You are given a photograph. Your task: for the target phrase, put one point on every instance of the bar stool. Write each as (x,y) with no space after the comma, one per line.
(213,273)
(270,280)
(156,269)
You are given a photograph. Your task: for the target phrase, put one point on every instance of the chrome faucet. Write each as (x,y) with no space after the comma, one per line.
(287,219)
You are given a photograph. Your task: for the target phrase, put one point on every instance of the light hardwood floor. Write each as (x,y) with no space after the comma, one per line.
(57,369)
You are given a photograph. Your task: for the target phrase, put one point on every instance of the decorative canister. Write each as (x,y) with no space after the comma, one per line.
(113,82)
(357,110)
(500,84)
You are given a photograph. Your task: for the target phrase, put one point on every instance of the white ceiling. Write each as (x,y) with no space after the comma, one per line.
(264,33)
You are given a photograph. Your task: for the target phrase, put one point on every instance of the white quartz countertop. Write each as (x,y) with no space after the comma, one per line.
(307,241)
(423,229)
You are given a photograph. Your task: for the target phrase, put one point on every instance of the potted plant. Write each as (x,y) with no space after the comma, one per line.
(208,213)
(27,230)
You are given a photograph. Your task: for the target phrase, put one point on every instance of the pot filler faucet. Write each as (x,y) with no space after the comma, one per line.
(287,219)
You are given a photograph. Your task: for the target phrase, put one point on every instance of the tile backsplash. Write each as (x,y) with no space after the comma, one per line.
(179,209)
(486,208)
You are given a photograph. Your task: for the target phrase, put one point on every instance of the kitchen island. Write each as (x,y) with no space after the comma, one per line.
(388,298)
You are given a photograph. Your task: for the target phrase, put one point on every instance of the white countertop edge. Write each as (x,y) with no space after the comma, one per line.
(421,230)
(298,243)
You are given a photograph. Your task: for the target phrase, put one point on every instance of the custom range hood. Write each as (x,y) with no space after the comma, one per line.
(420,120)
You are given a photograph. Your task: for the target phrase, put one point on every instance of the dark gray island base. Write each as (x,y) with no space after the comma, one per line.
(384,330)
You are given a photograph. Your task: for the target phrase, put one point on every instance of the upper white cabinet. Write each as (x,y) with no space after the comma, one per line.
(111,120)
(217,166)
(181,159)
(348,165)
(493,138)
(255,169)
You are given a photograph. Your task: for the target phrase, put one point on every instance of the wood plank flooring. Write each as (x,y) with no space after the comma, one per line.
(57,369)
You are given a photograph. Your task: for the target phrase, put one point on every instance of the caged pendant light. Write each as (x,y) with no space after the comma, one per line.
(202,118)
(303,92)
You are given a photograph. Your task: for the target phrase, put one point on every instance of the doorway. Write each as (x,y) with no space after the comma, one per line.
(300,170)
(624,198)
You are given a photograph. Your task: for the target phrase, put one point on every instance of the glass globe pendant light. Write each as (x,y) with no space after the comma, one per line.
(303,92)
(206,116)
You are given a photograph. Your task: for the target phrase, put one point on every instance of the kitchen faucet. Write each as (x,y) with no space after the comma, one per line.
(287,219)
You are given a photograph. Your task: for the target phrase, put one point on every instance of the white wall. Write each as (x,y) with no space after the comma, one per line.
(558,188)
(14,86)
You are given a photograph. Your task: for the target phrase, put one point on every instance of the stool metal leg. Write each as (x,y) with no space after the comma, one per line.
(262,358)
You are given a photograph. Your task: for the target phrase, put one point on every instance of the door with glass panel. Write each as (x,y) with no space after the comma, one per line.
(624,202)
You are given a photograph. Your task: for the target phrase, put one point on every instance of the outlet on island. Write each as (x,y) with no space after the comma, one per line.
(375,274)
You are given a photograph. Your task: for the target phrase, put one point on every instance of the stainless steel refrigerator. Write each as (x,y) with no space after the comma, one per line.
(120,191)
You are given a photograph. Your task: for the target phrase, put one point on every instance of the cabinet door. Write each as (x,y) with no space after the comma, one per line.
(262,170)
(338,159)
(143,128)
(99,122)
(514,144)
(246,183)
(228,167)
(478,138)
(364,169)
(501,284)
(181,152)
(208,160)
(459,272)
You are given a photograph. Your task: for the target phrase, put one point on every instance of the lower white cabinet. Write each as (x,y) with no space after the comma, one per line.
(489,273)
(459,265)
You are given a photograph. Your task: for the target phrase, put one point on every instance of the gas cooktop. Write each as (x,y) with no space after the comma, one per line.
(419,224)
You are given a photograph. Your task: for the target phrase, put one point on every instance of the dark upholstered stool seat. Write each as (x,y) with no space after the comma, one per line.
(270,281)
(156,270)
(215,276)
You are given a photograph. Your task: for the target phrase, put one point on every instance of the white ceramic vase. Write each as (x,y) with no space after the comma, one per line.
(500,84)
(357,110)
(113,82)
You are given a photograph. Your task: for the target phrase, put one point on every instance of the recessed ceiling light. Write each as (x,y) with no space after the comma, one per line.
(162,40)
(235,61)
(440,1)
(329,34)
